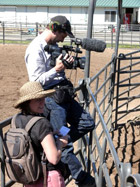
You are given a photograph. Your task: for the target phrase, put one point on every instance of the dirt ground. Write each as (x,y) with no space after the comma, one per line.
(13,75)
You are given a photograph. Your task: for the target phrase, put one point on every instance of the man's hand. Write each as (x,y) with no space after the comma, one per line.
(68,61)
(59,65)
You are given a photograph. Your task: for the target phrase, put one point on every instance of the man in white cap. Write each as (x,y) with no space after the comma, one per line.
(62,107)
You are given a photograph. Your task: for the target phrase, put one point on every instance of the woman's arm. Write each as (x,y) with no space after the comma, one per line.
(53,149)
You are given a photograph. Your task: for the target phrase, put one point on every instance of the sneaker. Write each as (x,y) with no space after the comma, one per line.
(87,181)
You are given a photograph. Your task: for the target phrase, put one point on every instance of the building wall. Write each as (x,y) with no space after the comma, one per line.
(77,15)
(139,15)
(42,14)
(99,17)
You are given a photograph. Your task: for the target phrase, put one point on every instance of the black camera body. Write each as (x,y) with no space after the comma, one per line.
(55,51)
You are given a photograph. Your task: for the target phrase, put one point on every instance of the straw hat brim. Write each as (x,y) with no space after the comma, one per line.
(37,95)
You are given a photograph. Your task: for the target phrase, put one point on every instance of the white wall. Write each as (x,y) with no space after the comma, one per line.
(8,13)
(79,15)
(139,15)
(99,16)
(53,11)
(76,15)
(21,15)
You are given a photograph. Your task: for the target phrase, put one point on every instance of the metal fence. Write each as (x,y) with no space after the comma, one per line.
(24,33)
(104,104)
(127,74)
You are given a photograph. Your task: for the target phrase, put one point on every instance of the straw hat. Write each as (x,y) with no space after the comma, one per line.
(32,90)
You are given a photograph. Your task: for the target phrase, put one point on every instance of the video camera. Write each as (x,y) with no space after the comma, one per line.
(55,51)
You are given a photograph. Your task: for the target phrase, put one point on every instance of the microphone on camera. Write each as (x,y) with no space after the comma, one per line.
(90,44)
(93,45)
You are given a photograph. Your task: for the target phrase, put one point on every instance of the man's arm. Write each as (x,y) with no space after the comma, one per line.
(38,68)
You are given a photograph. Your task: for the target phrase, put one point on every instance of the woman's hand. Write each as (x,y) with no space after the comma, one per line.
(63,140)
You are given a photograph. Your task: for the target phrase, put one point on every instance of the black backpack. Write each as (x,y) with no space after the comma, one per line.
(21,162)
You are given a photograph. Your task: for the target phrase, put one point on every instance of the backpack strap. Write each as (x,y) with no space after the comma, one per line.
(13,124)
(31,122)
(43,162)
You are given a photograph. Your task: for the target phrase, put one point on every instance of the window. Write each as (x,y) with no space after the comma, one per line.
(110,16)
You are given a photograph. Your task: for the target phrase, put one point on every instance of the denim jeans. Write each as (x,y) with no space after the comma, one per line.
(80,124)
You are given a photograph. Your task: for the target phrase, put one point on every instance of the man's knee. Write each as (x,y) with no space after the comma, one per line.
(57,114)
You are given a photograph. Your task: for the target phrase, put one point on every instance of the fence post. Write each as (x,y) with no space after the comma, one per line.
(2,161)
(36,28)
(112,28)
(131,38)
(3,30)
(20,32)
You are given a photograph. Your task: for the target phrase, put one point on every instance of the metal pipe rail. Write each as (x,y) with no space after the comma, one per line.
(127,74)
(107,139)
(3,124)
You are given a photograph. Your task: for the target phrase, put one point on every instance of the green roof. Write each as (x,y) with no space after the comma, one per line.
(45,2)
(114,3)
(72,3)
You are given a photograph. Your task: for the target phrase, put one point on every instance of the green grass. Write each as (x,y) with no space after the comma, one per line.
(14,42)
(26,42)
(125,46)
(68,43)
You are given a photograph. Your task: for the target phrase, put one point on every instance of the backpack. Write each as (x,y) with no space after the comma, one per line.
(21,162)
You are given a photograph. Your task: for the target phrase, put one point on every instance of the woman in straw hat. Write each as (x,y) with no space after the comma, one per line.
(31,103)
